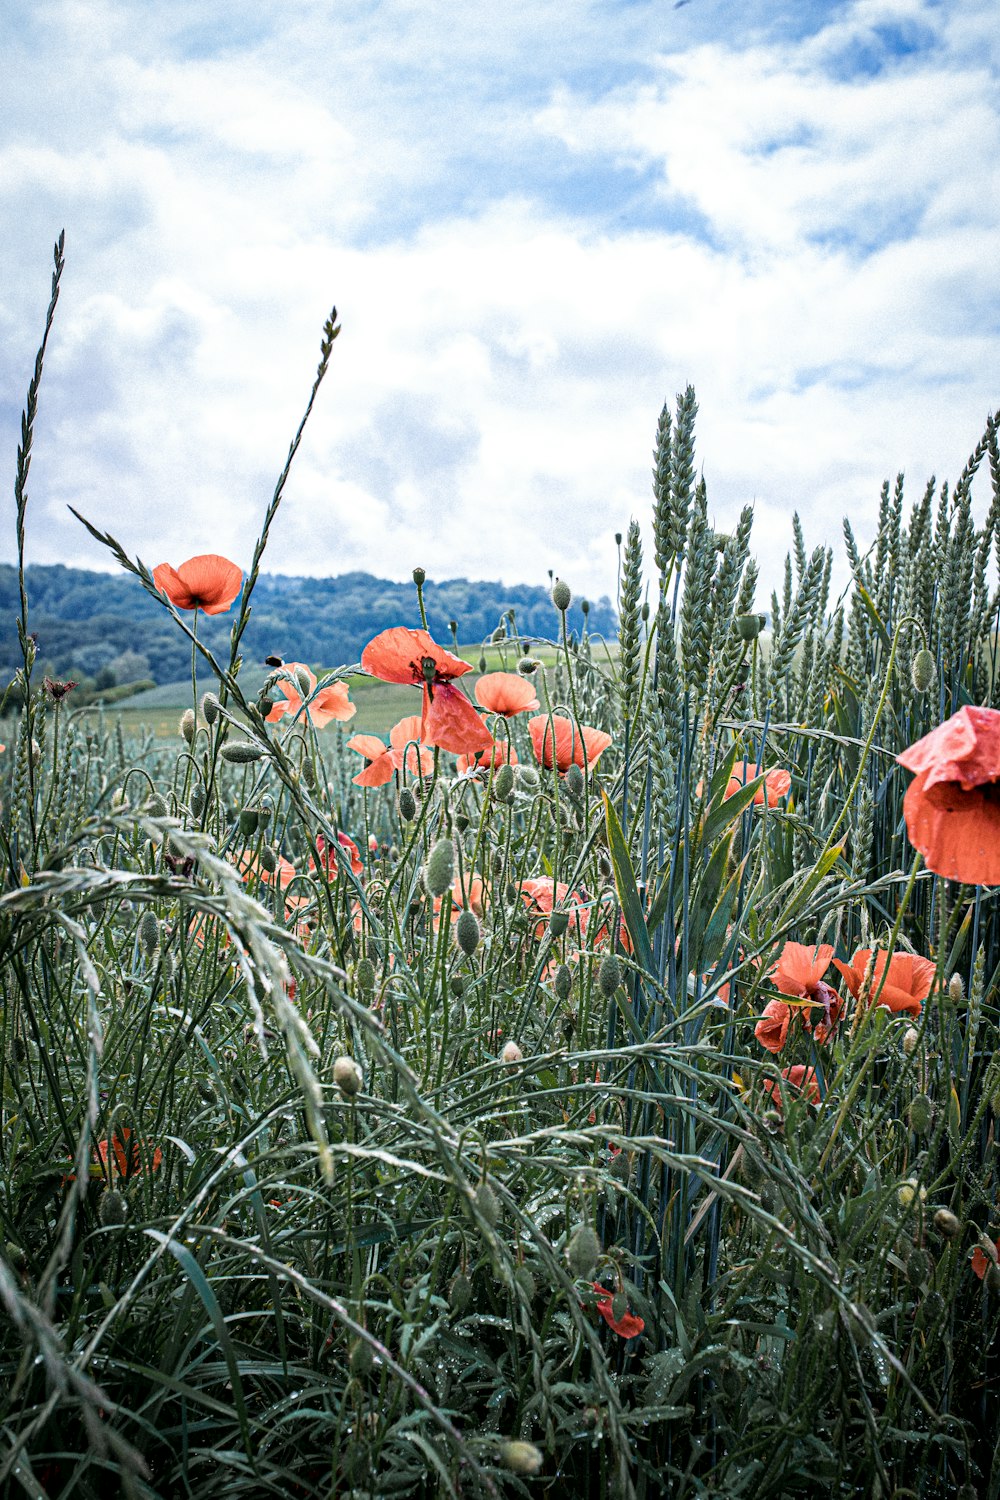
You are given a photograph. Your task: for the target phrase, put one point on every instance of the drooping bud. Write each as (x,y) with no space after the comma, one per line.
(198,799)
(558,923)
(573,781)
(269,858)
(511,1053)
(521,1458)
(460,1293)
(921,1114)
(528,666)
(583,1251)
(525,1283)
(563,982)
(360,1358)
(439,871)
(407,805)
(487,1204)
(302,682)
(467,932)
(348,1077)
(609,975)
(364,976)
(210,708)
(947,1223)
(561,595)
(187,726)
(923,671)
(156,806)
(619,1306)
(503,783)
(241,752)
(149,933)
(111,1209)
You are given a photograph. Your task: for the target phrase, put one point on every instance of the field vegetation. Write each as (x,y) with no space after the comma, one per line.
(601,1101)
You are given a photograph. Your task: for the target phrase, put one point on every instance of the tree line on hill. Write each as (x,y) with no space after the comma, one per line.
(106,632)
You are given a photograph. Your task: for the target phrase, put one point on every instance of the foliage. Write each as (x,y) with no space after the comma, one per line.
(307,1189)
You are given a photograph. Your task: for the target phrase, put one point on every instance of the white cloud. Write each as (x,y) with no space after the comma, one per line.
(816,251)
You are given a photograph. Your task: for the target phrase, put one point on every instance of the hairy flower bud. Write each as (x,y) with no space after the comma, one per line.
(407,805)
(348,1077)
(921,1114)
(187,726)
(573,781)
(609,975)
(111,1209)
(521,1458)
(528,666)
(269,858)
(503,783)
(210,707)
(511,1053)
(563,982)
(249,821)
(149,933)
(460,1293)
(561,595)
(583,1251)
(923,671)
(241,752)
(439,871)
(360,1358)
(156,806)
(947,1223)
(467,932)
(364,976)
(487,1204)
(558,923)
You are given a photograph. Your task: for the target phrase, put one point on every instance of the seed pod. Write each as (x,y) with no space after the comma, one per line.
(268,858)
(563,982)
(561,595)
(525,1283)
(360,1358)
(487,1204)
(747,627)
(439,871)
(241,752)
(111,1209)
(503,783)
(249,822)
(609,975)
(187,726)
(460,1293)
(583,1251)
(364,976)
(521,1458)
(947,1223)
(467,932)
(920,1114)
(149,933)
(198,799)
(419,577)
(210,707)
(156,806)
(407,805)
(923,671)
(558,923)
(348,1077)
(573,781)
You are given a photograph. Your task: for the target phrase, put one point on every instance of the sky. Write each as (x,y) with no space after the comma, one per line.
(538,221)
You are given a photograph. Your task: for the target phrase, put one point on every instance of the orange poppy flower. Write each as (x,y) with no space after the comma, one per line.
(126,1153)
(908,979)
(329,864)
(384,760)
(952,807)
(775,784)
(627,1326)
(772,1028)
(500,753)
(799,971)
(461,899)
(542,896)
(409,656)
(556,736)
(209,583)
(802,1079)
(248,864)
(330,703)
(981,1262)
(505,693)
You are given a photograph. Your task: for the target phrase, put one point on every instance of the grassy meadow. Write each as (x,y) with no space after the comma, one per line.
(615,1119)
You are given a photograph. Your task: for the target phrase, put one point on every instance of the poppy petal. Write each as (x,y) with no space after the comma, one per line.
(956,830)
(451,722)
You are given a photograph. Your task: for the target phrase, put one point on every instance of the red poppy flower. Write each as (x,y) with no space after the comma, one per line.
(802,1079)
(329,864)
(505,693)
(907,983)
(799,971)
(330,703)
(126,1153)
(981,1262)
(775,784)
(409,656)
(384,760)
(543,896)
(952,807)
(574,744)
(209,583)
(627,1326)
(500,753)
(772,1028)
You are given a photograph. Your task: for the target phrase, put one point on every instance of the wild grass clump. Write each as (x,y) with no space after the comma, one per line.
(607,1108)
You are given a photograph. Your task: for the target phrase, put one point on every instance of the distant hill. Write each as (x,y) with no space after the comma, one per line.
(87,622)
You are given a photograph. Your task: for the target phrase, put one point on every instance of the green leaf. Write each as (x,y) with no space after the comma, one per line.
(628,890)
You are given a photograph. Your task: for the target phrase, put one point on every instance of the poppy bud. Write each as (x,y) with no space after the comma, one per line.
(348,1077)
(461,821)
(604,866)
(156,807)
(149,933)
(206,1091)
(210,707)
(407,805)
(457,986)
(920,1114)
(558,922)
(511,1053)
(521,1458)
(269,858)
(264,705)
(573,781)
(309,775)
(911,1037)
(119,801)
(993,1278)
(585,608)
(621,1167)
(419,577)
(748,627)
(364,976)
(439,871)
(528,666)
(467,932)
(909,1191)
(187,726)
(486,1202)
(644,611)
(503,783)
(241,752)
(111,1209)
(918,1267)
(923,671)
(609,975)
(302,682)
(482,663)
(198,799)
(249,822)
(618,538)
(360,1358)
(956,989)
(561,595)
(525,1283)
(582,1252)
(563,982)
(947,1223)
(460,1293)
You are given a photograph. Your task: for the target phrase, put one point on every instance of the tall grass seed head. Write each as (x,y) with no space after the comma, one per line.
(439,871)
(562,596)
(187,726)
(348,1077)
(923,671)
(583,1252)
(467,932)
(521,1458)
